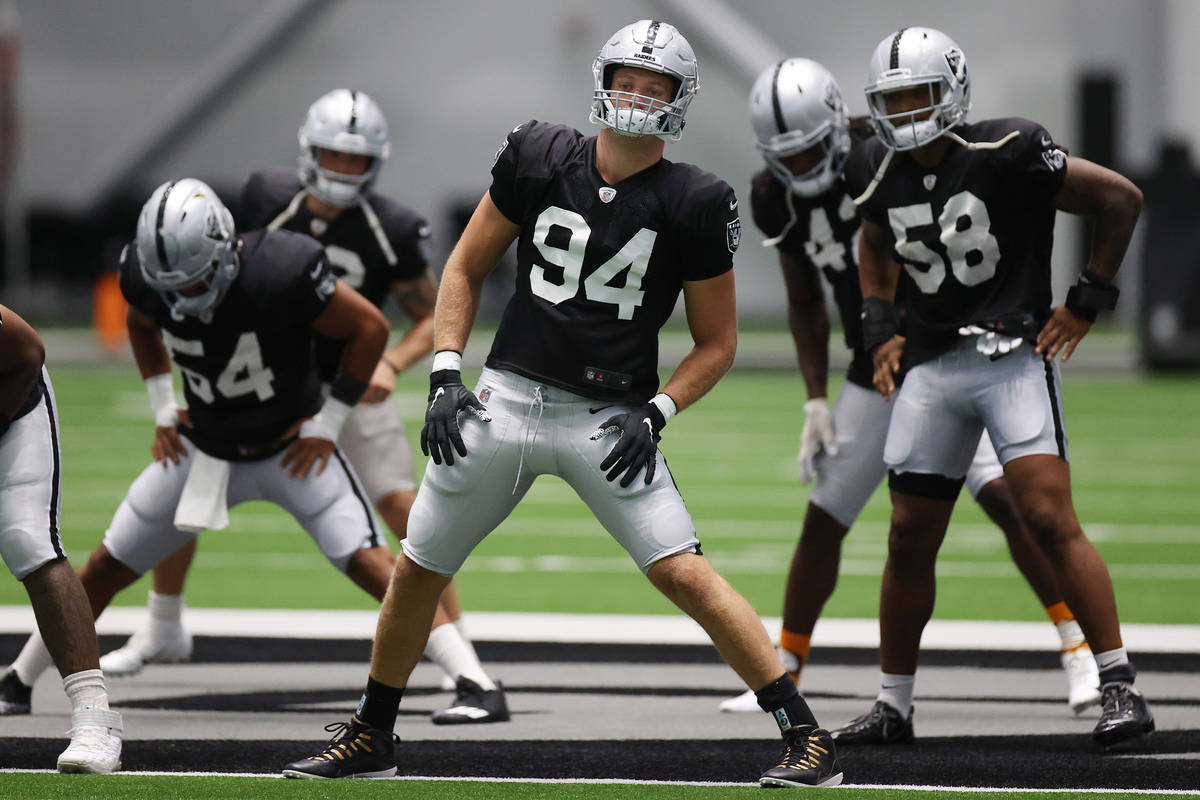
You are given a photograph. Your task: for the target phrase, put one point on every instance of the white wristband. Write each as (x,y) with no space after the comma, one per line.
(326,423)
(161,389)
(666,405)
(447,359)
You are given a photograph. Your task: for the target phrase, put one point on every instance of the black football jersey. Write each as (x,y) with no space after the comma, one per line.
(250,372)
(599,266)
(34,397)
(973,235)
(823,231)
(272,197)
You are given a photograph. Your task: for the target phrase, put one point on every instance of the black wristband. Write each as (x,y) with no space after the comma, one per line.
(346,387)
(880,322)
(5,421)
(1091,295)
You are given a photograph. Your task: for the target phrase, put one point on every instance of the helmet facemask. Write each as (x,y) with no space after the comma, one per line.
(832,139)
(344,121)
(907,130)
(338,189)
(633,114)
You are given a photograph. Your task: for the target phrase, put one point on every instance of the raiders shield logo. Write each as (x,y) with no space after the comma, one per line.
(733,234)
(607,193)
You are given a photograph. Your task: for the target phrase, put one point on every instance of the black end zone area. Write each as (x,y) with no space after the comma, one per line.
(1061,761)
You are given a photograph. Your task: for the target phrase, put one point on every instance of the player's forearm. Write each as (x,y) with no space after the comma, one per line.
(878,273)
(416,343)
(1113,228)
(457,304)
(809,323)
(365,345)
(699,371)
(20,364)
(148,349)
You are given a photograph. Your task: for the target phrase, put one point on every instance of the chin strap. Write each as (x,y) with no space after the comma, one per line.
(791,207)
(377,229)
(879,173)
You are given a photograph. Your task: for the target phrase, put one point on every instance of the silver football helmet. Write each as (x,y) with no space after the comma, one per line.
(918,57)
(796,105)
(350,122)
(656,46)
(186,241)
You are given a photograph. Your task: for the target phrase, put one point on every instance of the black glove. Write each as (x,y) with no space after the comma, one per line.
(447,397)
(639,431)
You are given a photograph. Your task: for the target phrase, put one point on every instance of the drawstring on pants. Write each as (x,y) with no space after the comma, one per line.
(537,401)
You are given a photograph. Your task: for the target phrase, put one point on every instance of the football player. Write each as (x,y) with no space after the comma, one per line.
(32,548)
(375,246)
(800,202)
(608,234)
(237,313)
(958,220)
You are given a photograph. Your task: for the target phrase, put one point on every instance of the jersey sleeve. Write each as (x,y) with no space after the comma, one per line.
(505,171)
(133,286)
(254,211)
(408,234)
(715,231)
(769,204)
(311,281)
(1036,165)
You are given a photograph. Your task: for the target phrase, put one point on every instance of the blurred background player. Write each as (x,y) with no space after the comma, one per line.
(800,202)
(958,222)
(374,245)
(32,547)
(608,235)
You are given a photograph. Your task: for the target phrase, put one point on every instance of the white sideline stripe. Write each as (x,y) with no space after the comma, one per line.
(614,628)
(634,782)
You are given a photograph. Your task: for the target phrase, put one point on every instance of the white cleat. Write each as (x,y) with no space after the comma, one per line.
(1083,678)
(745,702)
(95,742)
(143,648)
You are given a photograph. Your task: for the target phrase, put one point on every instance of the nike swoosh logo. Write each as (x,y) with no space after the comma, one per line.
(649,427)
(733,204)
(316,273)
(440,391)
(1046,141)
(598,409)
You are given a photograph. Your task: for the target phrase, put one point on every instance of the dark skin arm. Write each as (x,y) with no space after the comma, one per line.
(21,357)
(1113,203)
(878,273)
(351,317)
(808,321)
(153,359)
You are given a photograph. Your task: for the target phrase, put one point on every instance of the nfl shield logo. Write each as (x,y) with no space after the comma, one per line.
(484,394)
(607,193)
(733,234)
(929,181)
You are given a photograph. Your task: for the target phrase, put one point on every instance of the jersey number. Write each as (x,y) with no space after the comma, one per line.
(244,374)
(635,255)
(822,248)
(348,266)
(972,252)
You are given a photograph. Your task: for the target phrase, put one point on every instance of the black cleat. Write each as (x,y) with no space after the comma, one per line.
(881,725)
(808,759)
(15,697)
(355,751)
(473,705)
(1124,715)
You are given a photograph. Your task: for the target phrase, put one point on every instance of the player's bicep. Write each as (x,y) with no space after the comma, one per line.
(1088,188)
(346,312)
(711,307)
(487,235)
(20,346)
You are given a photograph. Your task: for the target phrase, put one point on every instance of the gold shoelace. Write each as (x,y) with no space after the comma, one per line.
(809,759)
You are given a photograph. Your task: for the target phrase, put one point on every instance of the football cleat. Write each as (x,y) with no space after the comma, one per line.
(474,705)
(1083,678)
(145,648)
(15,697)
(881,725)
(355,751)
(95,742)
(745,702)
(1124,715)
(809,759)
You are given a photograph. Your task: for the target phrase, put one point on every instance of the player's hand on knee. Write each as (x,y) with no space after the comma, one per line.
(442,435)
(887,363)
(383,383)
(818,434)
(306,452)
(640,431)
(168,444)
(1061,333)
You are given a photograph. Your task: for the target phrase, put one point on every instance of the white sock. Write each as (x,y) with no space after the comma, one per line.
(33,660)
(1071,634)
(1105,660)
(897,691)
(86,689)
(462,629)
(166,612)
(449,650)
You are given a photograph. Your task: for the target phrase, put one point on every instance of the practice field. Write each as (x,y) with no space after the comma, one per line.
(1134,445)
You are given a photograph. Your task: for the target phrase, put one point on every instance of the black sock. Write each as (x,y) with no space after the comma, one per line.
(379,705)
(782,701)
(1119,673)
